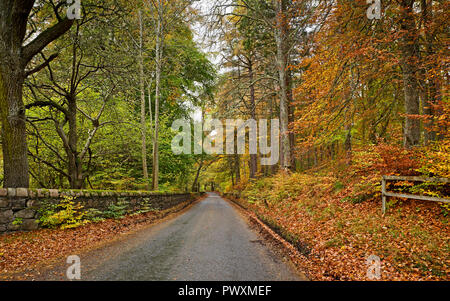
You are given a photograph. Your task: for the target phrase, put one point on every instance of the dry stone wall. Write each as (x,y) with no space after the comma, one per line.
(20,204)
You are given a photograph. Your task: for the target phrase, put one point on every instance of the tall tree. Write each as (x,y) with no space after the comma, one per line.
(17,49)
(159,52)
(143,101)
(409,52)
(281,37)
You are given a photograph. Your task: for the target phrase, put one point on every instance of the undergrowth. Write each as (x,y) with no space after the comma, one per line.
(335,213)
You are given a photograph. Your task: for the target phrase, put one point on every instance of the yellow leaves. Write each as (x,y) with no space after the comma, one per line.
(436,159)
(68,215)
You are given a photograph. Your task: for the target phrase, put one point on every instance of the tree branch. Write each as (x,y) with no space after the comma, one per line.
(45,38)
(43,65)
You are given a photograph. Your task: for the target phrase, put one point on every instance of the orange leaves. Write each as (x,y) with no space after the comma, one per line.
(352,76)
(20,251)
(396,160)
(341,232)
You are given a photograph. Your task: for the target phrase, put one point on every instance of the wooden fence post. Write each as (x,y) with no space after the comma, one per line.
(386,194)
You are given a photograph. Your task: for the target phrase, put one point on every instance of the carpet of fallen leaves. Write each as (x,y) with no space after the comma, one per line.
(28,250)
(337,236)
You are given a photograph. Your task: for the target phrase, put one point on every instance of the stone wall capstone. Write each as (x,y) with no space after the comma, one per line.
(23,204)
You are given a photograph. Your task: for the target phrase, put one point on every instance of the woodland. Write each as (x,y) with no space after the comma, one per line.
(89,104)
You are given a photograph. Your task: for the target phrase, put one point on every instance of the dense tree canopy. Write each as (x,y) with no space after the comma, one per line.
(81,94)
(90,102)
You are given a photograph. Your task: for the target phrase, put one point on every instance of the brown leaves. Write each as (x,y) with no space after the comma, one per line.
(28,251)
(412,240)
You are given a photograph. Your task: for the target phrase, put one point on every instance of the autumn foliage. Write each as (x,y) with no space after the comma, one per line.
(334,218)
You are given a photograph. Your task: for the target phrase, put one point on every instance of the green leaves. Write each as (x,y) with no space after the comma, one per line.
(66,215)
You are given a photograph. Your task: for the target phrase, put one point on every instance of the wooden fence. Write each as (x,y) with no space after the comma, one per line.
(386,194)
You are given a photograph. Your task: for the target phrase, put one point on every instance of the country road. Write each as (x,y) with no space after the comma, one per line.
(210,242)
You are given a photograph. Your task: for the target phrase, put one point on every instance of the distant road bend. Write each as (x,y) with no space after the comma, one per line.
(210,242)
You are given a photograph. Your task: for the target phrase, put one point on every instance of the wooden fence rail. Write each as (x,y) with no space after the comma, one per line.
(386,194)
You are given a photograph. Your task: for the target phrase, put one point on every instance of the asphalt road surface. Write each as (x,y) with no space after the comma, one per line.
(210,242)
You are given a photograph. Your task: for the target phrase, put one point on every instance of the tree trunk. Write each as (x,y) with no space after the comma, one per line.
(150,111)
(281,39)
(348,142)
(12,114)
(433,94)
(253,157)
(291,117)
(75,165)
(237,161)
(159,43)
(274,168)
(143,119)
(409,61)
(195,185)
(230,160)
(13,22)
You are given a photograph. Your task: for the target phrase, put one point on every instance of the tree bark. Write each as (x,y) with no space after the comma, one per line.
(253,157)
(409,61)
(12,112)
(13,22)
(195,185)
(159,43)
(281,39)
(431,89)
(291,117)
(237,161)
(143,119)
(75,165)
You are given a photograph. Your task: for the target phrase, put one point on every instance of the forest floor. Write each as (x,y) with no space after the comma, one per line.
(336,228)
(22,254)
